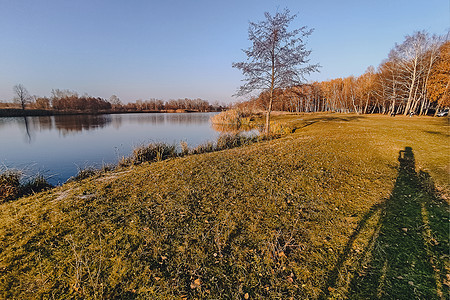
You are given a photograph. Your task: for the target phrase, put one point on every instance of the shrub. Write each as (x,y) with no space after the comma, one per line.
(9,185)
(35,185)
(12,188)
(153,152)
(84,173)
(229,140)
(184,148)
(228,117)
(204,148)
(124,162)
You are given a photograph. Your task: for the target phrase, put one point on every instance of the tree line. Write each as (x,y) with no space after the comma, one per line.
(413,79)
(70,101)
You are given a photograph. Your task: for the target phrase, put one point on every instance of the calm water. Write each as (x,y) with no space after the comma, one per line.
(58,146)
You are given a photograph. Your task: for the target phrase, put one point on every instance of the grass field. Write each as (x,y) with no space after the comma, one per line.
(347,206)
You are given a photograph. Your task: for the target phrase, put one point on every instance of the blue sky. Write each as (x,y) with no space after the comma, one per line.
(173,49)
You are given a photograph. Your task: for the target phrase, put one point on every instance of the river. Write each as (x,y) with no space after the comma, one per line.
(58,146)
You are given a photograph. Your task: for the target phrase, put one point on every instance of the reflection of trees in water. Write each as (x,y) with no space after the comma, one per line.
(41,123)
(149,119)
(188,118)
(173,118)
(24,123)
(67,124)
(116,121)
(77,123)
(4,122)
(27,129)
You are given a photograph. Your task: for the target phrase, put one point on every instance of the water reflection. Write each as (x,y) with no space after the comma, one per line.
(27,129)
(59,145)
(74,124)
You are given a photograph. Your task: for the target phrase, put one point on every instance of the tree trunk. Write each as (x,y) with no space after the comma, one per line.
(411,90)
(268,112)
(437,109)
(272,83)
(354,105)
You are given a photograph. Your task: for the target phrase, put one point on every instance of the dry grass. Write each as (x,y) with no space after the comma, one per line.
(13,185)
(308,215)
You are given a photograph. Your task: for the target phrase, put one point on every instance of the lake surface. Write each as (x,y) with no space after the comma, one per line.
(58,146)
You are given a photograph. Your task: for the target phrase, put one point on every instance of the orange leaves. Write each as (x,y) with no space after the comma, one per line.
(439,84)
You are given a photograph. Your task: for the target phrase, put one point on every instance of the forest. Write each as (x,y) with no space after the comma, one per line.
(413,79)
(63,101)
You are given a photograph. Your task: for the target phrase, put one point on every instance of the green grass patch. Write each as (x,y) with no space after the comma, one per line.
(346,206)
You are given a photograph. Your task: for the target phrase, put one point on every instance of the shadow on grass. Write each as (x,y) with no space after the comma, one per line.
(437,133)
(335,118)
(312,121)
(407,254)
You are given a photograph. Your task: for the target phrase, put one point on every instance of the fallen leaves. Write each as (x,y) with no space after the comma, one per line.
(196,283)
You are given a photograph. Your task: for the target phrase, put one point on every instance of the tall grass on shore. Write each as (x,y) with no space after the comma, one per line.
(159,151)
(230,117)
(234,120)
(13,185)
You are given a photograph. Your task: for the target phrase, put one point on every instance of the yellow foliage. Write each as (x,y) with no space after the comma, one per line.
(439,84)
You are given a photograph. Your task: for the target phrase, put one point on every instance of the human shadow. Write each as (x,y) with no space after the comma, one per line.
(407,254)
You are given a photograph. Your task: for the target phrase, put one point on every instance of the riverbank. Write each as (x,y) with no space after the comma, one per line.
(14,112)
(308,215)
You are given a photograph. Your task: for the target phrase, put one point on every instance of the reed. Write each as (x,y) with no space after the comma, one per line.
(230,117)
(14,185)
(153,152)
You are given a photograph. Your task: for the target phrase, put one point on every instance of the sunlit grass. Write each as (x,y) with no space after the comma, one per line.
(299,217)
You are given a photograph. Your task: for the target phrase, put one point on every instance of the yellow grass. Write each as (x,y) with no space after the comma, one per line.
(308,215)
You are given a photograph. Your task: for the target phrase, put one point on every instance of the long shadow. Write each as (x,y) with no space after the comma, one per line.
(409,253)
(335,118)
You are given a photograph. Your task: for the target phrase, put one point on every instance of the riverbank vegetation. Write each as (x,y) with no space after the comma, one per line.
(346,206)
(14,184)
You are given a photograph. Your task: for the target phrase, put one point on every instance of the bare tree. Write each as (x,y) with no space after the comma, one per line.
(114,100)
(410,54)
(21,95)
(277,59)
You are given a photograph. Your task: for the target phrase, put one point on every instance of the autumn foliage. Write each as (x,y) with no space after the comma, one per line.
(414,79)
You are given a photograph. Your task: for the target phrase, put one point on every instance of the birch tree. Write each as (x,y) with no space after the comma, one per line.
(277,59)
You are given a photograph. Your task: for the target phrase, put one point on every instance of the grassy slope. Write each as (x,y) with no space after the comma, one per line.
(324,212)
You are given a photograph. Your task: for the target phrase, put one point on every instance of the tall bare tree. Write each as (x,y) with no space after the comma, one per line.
(277,58)
(21,95)
(411,53)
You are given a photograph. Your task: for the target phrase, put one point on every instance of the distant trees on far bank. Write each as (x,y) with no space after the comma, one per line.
(70,101)
(414,79)
(179,104)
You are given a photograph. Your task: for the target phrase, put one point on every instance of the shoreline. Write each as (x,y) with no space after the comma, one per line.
(15,112)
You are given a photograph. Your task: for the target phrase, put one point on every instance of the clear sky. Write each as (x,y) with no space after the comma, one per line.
(171,49)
